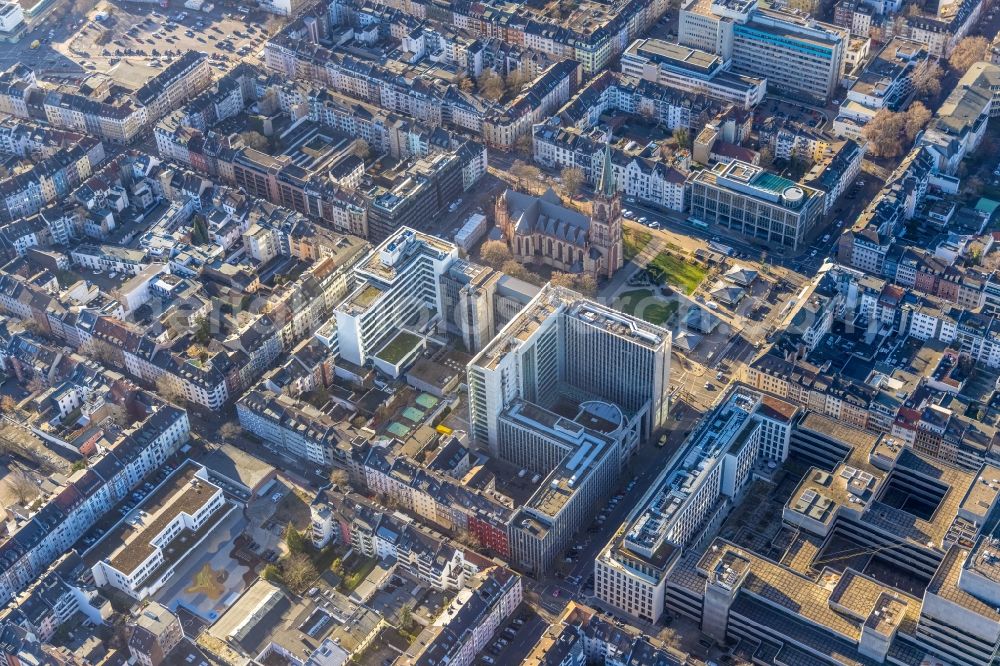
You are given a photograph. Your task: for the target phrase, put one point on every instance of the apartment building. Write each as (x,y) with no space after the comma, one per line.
(181,80)
(545,94)
(290,426)
(441,500)
(470,621)
(88,495)
(887,80)
(691,71)
(137,556)
(756,204)
(635,175)
(959,124)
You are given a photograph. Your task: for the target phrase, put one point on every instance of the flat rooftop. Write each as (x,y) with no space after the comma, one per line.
(130,543)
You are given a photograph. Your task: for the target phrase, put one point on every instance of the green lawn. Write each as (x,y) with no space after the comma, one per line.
(634,240)
(644,304)
(358,573)
(676,272)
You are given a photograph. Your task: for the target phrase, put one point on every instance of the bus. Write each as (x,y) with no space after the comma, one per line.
(695,222)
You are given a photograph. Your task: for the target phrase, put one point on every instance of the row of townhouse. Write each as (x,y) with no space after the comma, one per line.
(50,179)
(89,494)
(121,120)
(469,623)
(289,315)
(613,91)
(424,101)
(442,500)
(553,88)
(640,175)
(594,39)
(60,595)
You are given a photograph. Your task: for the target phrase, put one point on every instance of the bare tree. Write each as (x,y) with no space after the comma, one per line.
(465,82)
(572,180)
(298,571)
(23,487)
(340,478)
(927,80)
(525,143)
(917,117)
(8,405)
(101,352)
(36,385)
(586,284)
(361,149)
(567,280)
(968,52)
(495,253)
(229,431)
(167,389)
(491,85)
(883,133)
(253,139)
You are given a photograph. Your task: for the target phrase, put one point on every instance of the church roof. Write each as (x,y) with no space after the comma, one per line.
(545,215)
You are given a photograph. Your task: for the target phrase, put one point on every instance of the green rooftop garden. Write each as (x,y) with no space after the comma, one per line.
(398,347)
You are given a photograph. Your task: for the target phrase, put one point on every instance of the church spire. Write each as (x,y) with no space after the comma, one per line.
(606,186)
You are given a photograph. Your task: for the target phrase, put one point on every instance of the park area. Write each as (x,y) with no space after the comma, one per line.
(649,305)
(671,270)
(634,241)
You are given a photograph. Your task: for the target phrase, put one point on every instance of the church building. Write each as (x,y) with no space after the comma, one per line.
(542,230)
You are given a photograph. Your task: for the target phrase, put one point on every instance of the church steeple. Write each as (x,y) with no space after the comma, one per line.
(606,185)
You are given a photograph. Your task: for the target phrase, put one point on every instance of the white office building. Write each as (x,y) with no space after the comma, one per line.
(397,285)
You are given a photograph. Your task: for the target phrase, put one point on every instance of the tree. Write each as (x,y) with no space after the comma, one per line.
(229,431)
(167,389)
(968,52)
(8,405)
(766,156)
(883,133)
(683,136)
(525,174)
(567,280)
(361,148)
(340,478)
(101,352)
(586,284)
(491,86)
(517,270)
(572,180)
(255,140)
(199,230)
(927,80)
(917,117)
(406,617)
(23,487)
(525,143)
(298,571)
(202,330)
(467,539)
(974,185)
(295,540)
(495,253)
(465,82)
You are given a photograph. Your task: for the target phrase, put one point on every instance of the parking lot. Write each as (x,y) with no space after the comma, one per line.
(131,42)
